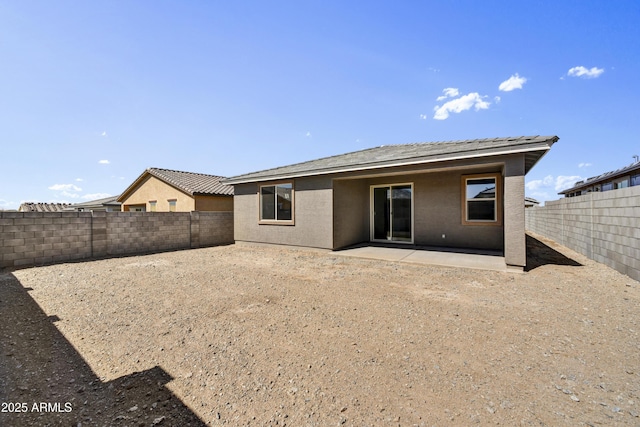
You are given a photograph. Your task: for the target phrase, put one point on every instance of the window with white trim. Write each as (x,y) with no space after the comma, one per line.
(481,199)
(276,202)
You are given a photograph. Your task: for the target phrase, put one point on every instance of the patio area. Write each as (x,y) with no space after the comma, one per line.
(446,257)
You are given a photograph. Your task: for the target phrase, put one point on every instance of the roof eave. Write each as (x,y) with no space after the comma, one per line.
(542,147)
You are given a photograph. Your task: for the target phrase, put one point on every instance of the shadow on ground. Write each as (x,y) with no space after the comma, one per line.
(45,381)
(539,254)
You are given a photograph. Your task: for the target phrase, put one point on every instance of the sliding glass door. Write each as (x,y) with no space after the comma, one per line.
(392,213)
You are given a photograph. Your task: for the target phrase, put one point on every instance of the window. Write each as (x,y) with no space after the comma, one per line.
(276,202)
(635,180)
(607,186)
(172,205)
(623,183)
(481,200)
(152,205)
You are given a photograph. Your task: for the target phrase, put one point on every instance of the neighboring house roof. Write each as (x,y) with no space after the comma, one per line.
(98,203)
(408,154)
(194,184)
(43,207)
(530,201)
(633,167)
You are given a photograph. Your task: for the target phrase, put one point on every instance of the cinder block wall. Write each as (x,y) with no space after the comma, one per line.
(211,228)
(35,238)
(42,238)
(603,226)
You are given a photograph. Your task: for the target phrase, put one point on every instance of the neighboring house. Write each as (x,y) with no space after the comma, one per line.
(465,194)
(164,190)
(530,202)
(107,204)
(43,207)
(628,176)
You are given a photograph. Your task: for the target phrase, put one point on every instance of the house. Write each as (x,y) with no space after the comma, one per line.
(462,194)
(530,202)
(106,204)
(628,176)
(43,207)
(164,190)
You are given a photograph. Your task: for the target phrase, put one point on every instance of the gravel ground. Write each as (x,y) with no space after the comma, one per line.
(257,335)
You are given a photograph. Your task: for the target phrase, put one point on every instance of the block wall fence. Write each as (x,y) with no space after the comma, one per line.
(602,226)
(36,238)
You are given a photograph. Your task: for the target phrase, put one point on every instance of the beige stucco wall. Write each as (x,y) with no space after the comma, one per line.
(214,203)
(154,189)
(313,206)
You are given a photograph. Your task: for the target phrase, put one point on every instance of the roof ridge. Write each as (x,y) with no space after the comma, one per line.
(186,172)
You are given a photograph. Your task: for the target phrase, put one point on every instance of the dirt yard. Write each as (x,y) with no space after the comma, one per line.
(255,335)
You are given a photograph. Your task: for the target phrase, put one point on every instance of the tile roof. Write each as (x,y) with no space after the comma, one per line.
(635,166)
(106,201)
(195,184)
(408,154)
(43,207)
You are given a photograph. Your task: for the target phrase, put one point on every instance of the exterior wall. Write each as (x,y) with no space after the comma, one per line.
(214,203)
(602,226)
(437,211)
(333,211)
(154,189)
(350,212)
(33,238)
(313,215)
(515,246)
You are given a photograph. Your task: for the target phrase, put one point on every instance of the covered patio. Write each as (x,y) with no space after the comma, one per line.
(446,257)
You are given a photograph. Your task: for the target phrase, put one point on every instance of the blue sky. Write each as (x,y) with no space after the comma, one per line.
(94,92)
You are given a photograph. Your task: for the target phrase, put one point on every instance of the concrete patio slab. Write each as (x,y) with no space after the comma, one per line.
(430,257)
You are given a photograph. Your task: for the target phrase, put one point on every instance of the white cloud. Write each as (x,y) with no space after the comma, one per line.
(104,133)
(563,182)
(94,196)
(465,102)
(585,73)
(497,99)
(559,183)
(539,183)
(584,165)
(512,83)
(449,92)
(308,135)
(423,116)
(71,195)
(104,162)
(79,179)
(6,204)
(65,187)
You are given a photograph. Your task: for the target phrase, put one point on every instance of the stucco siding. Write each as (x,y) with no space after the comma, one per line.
(154,189)
(313,223)
(437,211)
(214,203)
(515,250)
(351,212)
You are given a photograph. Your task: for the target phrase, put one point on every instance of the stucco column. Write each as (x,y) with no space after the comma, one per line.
(515,248)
